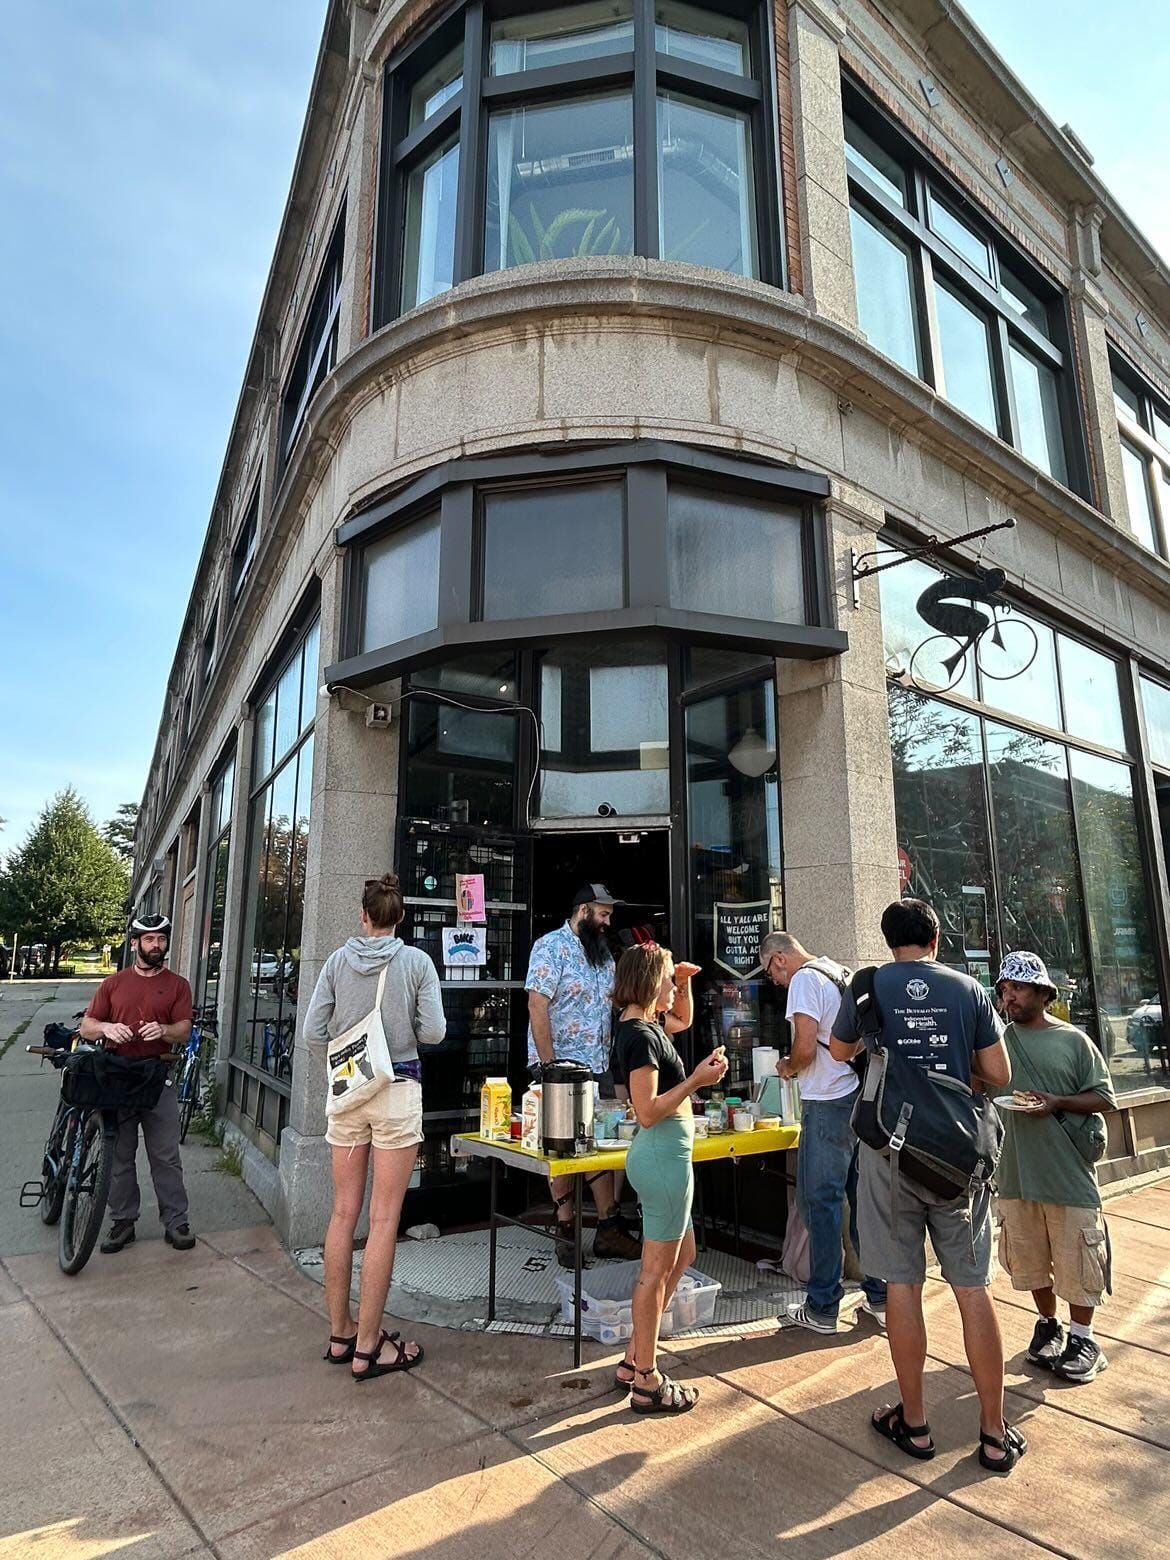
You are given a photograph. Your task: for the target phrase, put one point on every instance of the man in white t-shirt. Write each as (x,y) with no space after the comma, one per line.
(826,1159)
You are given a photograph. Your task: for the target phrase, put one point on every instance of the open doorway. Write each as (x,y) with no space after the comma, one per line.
(634,866)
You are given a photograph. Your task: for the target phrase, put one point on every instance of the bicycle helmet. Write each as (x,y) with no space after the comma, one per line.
(150,923)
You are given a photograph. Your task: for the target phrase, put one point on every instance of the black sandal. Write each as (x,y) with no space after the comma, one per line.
(1013,1446)
(341,1359)
(403,1361)
(668,1397)
(891,1423)
(618,1384)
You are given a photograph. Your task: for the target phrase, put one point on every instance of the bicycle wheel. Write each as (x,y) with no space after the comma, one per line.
(188,1098)
(55,1165)
(939,662)
(1006,649)
(86,1194)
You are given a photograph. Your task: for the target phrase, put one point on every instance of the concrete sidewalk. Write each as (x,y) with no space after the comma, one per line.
(169,1404)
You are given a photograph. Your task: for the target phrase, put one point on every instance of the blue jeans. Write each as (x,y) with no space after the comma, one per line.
(826,1167)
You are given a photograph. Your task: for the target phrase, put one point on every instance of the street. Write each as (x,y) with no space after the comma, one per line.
(165,1404)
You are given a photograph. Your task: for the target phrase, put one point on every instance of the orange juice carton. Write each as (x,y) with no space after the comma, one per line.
(495,1108)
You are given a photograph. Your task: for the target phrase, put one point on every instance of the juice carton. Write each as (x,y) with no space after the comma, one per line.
(530,1119)
(495,1108)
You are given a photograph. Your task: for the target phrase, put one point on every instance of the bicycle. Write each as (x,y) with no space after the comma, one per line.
(79,1152)
(277,1047)
(973,623)
(189,1076)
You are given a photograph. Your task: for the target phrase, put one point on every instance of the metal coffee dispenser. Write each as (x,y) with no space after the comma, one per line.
(566,1108)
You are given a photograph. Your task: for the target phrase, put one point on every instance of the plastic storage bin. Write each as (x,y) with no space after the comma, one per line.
(607,1296)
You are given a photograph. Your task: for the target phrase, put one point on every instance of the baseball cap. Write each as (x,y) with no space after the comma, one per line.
(1025,969)
(594,894)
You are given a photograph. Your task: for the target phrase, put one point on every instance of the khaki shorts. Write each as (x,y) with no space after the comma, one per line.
(895,1250)
(391,1118)
(1045,1245)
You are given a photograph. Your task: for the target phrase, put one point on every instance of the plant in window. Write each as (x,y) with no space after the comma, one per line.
(606,240)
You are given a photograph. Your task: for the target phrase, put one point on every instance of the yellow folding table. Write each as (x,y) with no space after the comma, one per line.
(721,1146)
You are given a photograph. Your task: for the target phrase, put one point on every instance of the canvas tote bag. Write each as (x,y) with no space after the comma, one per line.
(359,1059)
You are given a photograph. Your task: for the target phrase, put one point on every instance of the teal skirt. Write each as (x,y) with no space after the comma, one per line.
(659,1169)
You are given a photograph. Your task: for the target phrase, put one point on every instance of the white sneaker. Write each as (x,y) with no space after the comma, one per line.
(877,1311)
(798,1315)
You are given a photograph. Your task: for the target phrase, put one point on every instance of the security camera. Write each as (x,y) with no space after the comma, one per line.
(606,810)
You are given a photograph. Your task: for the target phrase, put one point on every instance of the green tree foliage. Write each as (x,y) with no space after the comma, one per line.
(119,831)
(66,883)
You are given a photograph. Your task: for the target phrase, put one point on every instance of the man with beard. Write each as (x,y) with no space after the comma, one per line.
(145,1010)
(570,1011)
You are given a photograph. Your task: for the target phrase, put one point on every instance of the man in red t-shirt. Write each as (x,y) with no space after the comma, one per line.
(145,1010)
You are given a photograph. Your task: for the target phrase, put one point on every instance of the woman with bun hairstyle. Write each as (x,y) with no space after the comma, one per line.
(658,1165)
(389,1122)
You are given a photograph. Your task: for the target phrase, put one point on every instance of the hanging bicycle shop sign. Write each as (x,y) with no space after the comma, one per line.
(970,621)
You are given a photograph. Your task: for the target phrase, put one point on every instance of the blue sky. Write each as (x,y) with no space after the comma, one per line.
(145,153)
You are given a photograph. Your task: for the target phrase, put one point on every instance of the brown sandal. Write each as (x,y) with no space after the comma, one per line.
(402,1361)
(341,1359)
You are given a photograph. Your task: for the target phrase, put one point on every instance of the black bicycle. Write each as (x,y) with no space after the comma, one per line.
(78,1158)
(190,1073)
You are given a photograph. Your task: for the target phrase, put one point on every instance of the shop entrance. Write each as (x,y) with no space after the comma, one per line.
(634,865)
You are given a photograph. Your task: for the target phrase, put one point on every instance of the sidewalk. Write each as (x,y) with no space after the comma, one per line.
(165,1404)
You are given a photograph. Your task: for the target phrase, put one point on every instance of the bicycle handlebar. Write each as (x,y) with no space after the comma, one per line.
(53,1051)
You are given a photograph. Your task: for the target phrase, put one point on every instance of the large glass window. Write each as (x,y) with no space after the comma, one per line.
(1138,477)
(1144,419)
(266,1006)
(317,352)
(559,549)
(215,884)
(945,294)
(576,135)
(1156,703)
(460,761)
(706,528)
(604,720)
(1092,696)
(400,584)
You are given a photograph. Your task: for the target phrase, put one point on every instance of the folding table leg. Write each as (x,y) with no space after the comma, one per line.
(491,1316)
(577,1202)
(735,1199)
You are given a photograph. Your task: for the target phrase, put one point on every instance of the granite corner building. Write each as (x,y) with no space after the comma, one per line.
(601,341)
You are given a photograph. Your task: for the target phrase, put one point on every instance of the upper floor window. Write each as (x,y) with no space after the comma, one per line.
(1144,421)
(244,549)
(317,351)
(207,654)
(945,295)
(612,127)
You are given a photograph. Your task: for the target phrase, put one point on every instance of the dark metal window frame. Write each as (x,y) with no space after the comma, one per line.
(465,115)
(1140,436)
(207,888)
(930,253)
(316,352)
(244,547)
(646,466)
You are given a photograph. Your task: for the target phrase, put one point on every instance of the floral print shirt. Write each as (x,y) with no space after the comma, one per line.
(580,997)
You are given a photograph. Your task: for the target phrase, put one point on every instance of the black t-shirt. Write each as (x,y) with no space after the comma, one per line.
(932,1015)
(637,1043)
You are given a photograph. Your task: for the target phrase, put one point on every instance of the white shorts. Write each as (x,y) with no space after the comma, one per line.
(390,1118)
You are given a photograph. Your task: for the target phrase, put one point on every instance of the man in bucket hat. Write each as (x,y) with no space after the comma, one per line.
(1052,1233)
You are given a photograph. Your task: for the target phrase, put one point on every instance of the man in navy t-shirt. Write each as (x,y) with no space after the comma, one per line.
(942,1021)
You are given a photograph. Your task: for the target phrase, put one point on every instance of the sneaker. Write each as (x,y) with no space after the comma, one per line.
(613,1241)
(799,1315)
(1081,1361)
(180,1238)
(121,1234)
(1047,1343)
(876,1309)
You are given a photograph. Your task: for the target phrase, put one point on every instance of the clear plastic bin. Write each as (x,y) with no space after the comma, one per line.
(607,1297)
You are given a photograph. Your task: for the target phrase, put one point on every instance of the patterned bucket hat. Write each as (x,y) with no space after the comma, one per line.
(1025,969)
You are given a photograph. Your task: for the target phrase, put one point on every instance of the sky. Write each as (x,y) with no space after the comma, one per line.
(145,155)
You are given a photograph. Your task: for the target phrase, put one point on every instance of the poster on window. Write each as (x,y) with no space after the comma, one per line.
(470,898)
(464,946)
(738,930)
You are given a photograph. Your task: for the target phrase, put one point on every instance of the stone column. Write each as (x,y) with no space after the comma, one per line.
(351,838)
(836,776)
(1090,310)
(815,31)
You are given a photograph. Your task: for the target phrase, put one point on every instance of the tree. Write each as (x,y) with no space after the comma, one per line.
(66,883)
(119,831)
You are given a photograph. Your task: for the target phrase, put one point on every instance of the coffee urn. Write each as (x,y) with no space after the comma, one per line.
(566,1108)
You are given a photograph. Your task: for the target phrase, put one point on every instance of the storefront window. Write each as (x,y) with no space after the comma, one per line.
(705,529)
(459,761)
(1029,691)
(553,550)
(215,884)
(1156,703)
(911,644)
(706,186)
(1120,933)
(400,584)
(1092,698)
(944,853)
(604,714)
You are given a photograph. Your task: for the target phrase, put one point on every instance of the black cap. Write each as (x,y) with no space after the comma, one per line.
(594,894)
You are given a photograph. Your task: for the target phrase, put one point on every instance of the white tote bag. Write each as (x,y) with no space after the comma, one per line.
(359,1060)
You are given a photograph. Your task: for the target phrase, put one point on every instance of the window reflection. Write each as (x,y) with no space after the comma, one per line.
(432,191)
(707,208)
(1092,698)
(966,354)
(1038,414)
(1156,703)
(564,36)
(400,584)
(552,550)
(1137,492)
(689,33)
(705,529)
(885,296)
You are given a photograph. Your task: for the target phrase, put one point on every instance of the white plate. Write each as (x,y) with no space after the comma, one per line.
(1006,1102)
(612,1142)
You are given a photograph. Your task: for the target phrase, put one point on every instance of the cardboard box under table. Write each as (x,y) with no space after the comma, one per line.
(724,1146)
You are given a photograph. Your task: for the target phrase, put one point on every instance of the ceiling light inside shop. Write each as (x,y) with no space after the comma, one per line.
(751,755)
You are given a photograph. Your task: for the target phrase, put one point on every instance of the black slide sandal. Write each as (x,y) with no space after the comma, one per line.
(1013,1446)
(891,1423)
(341,1359)
(668,1397)
(403,1361)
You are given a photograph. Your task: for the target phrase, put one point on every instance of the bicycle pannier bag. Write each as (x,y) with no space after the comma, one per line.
(358,1060)
(102,1081)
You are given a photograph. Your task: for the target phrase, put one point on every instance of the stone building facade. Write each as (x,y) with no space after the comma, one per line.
(607,350)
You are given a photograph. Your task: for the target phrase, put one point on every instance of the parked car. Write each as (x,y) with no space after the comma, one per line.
(265,967)
(1143,1029)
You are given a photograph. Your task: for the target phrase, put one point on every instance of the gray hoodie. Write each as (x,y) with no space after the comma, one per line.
(412,1003)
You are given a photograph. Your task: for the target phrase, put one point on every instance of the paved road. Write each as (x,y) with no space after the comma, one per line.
(167,1404)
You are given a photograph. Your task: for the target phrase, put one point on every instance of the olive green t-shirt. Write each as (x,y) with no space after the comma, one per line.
(1040,1163)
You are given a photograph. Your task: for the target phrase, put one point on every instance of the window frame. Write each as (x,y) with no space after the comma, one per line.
(241,564)
(317,342)
(1140,436)
(928,184)
(642,71)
